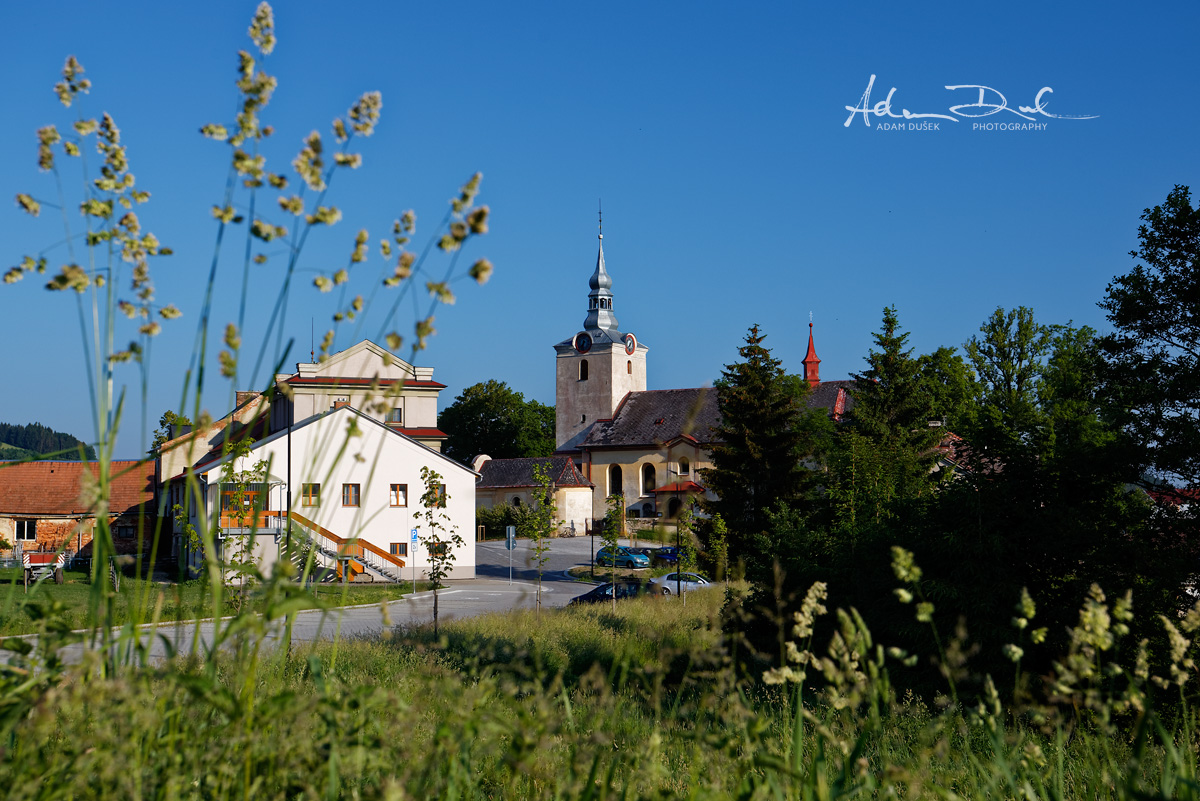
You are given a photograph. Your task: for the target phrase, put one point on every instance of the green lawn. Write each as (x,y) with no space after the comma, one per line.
(138,598)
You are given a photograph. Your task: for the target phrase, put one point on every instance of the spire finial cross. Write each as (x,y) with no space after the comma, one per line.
(600,206)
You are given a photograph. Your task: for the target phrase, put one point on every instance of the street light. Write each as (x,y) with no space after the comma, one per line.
(678,575)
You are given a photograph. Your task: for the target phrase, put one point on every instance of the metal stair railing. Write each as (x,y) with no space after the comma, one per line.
(367,553)
(298,558)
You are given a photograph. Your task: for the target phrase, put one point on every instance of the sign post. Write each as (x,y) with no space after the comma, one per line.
(510,542)
(412,554)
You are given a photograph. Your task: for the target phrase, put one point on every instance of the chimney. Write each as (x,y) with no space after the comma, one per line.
(243,398)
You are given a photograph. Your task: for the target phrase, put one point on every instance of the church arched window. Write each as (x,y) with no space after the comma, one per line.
(673,507)
(516,501)
(583,370)
(615,481)
(629,368)
(685,467)
(648,479)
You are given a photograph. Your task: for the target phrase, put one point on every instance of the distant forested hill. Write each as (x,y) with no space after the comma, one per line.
(39,439)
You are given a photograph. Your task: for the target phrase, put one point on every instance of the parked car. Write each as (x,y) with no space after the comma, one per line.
(624,589)
(667,555)
(621,557)
(675,582)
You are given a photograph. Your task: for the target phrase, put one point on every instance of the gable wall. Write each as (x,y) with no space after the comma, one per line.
(374,460)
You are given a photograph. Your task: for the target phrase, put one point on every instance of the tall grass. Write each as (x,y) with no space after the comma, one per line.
(584,703)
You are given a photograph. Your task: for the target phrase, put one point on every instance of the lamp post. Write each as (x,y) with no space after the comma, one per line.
(678,554)
(592,527)
(678,575)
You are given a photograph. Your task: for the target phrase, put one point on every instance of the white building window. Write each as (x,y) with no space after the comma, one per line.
(26,531)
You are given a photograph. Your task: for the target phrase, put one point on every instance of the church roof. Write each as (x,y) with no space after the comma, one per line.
(657,416)
(832,396)
(519,472)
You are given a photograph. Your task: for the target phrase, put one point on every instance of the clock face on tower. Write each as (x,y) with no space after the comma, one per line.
(583,342)
(630,344)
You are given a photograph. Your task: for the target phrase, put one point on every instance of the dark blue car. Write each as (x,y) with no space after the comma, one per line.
(668,555)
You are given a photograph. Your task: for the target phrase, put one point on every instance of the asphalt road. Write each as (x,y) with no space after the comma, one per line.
(490,591)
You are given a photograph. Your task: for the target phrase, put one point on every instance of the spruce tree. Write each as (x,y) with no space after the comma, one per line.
(893,406)
(757,464)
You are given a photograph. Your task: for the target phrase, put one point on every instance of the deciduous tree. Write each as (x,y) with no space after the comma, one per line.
(541,518)
(1008,358)
(1153,355)
(491,418)
(441,536)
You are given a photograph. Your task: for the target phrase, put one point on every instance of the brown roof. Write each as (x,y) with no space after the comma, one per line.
(658,416)
(652,418)
(55,488)
(519,472)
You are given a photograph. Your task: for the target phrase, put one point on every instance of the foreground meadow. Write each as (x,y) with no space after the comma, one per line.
(643,702)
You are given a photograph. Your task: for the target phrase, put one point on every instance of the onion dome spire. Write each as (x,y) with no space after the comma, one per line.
(600,300)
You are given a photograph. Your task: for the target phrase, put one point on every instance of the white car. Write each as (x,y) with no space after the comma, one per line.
(680,582)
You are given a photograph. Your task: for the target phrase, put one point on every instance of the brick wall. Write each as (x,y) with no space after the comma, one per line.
(72,534)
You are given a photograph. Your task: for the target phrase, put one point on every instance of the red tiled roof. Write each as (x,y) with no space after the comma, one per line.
(360,382)
(54,488)
(1175,496)
(420,432)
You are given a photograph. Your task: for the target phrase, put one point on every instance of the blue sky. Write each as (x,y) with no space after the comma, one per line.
(715,134)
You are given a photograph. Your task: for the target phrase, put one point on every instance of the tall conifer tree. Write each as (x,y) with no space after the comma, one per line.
(762,442)
(893,406)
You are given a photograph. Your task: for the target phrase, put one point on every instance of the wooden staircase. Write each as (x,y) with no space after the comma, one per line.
(358,555)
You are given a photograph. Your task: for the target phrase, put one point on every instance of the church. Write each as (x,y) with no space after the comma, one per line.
(648,446)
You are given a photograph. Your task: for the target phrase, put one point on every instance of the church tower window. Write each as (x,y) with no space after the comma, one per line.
(583,370)
(628,368)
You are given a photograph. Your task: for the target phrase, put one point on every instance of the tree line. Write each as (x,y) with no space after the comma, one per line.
(1042,457)
(44,441)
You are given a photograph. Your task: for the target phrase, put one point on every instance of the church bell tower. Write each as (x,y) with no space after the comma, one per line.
(597,367)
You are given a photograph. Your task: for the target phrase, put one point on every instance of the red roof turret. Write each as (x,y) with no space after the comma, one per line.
(812,369)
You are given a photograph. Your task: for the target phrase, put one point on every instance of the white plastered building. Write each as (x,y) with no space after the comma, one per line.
(354,486)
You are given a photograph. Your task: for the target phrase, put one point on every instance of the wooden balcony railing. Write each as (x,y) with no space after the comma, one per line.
(263,521)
